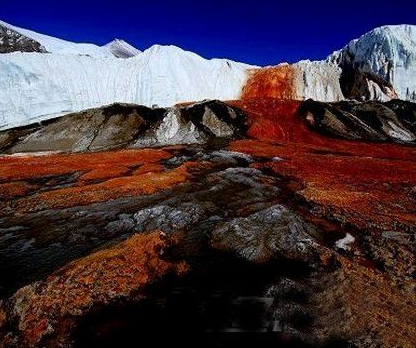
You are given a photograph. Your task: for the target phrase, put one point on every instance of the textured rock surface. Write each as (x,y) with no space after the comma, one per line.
(293,219)
(132,126)
(391,121)
(123,126)
(282,208)
(268,233)
(43,309)
(360,84)
(12,41)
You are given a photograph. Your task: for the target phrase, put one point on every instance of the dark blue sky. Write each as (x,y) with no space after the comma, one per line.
(259,32)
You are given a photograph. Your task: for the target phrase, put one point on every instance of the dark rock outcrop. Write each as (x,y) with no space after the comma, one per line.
(12,41)
(358,80)
(363,85)
(127,126)
(133,126)
(265,234)
(393,121)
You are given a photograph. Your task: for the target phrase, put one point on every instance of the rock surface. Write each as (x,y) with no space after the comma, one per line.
(391,121)
(363,85)
(127,126)
(44,318)
(293,218)
(12,41)
(268,233)
(133,126)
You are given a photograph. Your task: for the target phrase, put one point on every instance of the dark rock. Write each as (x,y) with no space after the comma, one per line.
(266,234)
(362,85)
(392,121)
(168,219)
(12,41)
(358,81)
(124,126)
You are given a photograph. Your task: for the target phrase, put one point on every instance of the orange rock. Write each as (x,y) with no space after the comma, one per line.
(2,316)
(146,168)
(366,185)
(103,173)
(51,307)
(16,189)
(142,184)
(373,308)
(21,168)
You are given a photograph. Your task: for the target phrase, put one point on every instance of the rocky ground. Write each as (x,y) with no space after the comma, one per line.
(275,236)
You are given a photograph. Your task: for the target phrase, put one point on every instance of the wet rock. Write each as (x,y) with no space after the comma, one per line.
(124,224)
(64,230)
(266,234)
(45,312)
(168,219)
(125,186)
(246,223)
(233,158)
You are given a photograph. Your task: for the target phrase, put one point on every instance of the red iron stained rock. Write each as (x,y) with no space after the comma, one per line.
(48,309)
(272,82)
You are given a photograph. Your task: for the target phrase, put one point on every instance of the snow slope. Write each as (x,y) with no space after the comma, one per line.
(388,51)
(122,49)
(55,45)
(37,86)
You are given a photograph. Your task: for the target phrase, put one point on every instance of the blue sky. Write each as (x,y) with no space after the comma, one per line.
(260,32)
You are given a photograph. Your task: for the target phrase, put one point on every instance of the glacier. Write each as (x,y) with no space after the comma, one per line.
(38,86)
(71,77)
(317,80)
(59,46)
(66,77)
(122,49)
(388,51)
